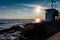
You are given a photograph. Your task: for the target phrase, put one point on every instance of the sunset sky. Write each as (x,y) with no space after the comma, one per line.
(24,9)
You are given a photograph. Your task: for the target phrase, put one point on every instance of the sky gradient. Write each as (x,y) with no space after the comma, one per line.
(23,9)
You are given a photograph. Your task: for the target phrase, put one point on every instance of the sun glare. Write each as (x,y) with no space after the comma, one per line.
(37,9)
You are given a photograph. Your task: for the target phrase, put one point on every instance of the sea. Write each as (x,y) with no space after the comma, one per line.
(6,23)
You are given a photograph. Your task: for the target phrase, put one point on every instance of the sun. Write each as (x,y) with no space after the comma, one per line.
(37,9)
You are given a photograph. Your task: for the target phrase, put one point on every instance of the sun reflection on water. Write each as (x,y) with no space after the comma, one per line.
(37,20)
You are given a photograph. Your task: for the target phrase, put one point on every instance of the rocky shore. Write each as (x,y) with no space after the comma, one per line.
(33,31)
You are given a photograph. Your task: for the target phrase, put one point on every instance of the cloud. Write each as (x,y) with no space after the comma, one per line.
(10,11)
(19,13)
(29,5)
(15,13)
(34,5)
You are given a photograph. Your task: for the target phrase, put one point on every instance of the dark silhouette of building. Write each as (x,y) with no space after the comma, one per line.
(50,15)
